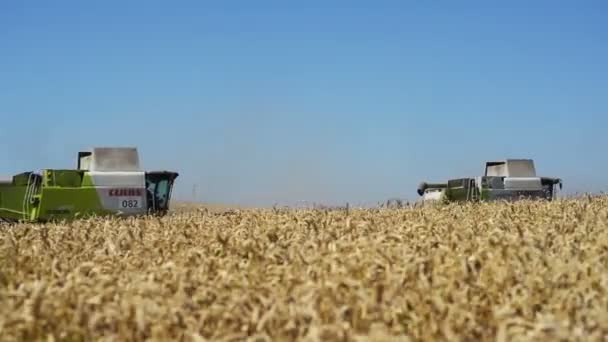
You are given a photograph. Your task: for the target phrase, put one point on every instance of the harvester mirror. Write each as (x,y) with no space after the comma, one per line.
(421,188)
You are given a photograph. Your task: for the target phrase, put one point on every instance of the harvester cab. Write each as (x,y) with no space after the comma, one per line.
(106,181)
(158,190)
(509,179)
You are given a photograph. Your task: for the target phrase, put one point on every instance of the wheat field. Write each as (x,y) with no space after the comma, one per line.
(475,272)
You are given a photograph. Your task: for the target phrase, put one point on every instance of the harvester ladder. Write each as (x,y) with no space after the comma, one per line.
(472,193)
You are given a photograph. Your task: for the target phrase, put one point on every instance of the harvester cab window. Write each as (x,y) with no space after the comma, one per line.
(159,186)
(162,193)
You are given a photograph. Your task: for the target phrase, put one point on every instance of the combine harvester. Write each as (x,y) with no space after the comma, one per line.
(510,179)
(107,181)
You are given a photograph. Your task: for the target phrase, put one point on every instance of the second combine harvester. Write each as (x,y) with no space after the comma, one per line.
(510,179)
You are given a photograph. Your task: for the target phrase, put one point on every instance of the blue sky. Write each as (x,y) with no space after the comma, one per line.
(263,102)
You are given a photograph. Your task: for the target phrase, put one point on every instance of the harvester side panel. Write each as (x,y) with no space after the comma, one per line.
(57,203)
(98,193)
(123,192)
(11,201)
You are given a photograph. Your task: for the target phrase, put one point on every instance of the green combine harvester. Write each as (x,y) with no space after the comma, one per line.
(511,179)
(107,181)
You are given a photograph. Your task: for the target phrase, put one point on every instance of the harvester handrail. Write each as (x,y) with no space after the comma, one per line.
(29,191)
(24,205)
(12,211)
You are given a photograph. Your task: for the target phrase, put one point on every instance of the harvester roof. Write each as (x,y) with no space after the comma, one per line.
(511,168)
(109,159)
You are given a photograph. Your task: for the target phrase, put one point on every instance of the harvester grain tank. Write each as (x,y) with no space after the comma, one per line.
(509,179)
(106,181)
